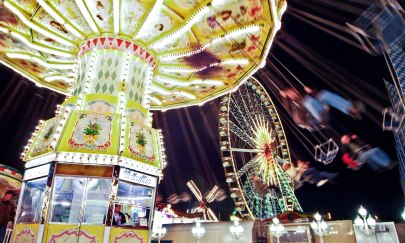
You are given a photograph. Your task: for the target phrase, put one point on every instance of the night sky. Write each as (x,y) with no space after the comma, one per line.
(191,134)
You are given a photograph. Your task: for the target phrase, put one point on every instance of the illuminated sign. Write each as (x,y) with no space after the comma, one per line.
(137,177)
(36,172)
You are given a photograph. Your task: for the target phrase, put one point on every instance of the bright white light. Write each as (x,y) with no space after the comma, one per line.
(40,47)
(358,221)
(72,30)
(324,225)
(239,32)
(217,3)
(40,61)
(232,34)
(116,17)
(403,215)
(317,216)
(160,90)
(87,16)
(209,82)
(65,204)
(236,229)
(187,26)
(155,100)
(163,79)
(4,30)
(59,19)
(186,94)
(58,77)
(36,27)
(362,211)
(146,23)
(198,231)
(235,61)
(371,221)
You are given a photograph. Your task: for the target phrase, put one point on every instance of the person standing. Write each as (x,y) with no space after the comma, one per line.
(7,213)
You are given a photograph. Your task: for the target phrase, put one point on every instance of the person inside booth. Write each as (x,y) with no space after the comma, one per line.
(118,217)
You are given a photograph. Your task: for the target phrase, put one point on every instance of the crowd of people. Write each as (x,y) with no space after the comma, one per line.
(311,110)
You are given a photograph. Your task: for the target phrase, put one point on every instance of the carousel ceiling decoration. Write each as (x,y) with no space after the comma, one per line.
(196,50)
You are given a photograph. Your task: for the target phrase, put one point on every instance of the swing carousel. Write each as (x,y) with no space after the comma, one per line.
(115,61)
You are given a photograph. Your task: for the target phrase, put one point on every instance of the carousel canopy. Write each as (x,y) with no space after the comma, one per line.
(199,50)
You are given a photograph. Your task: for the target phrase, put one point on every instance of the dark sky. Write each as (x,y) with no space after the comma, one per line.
(191,134)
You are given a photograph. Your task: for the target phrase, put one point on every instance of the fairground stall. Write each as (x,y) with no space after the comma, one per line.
(10,179)
(114,61)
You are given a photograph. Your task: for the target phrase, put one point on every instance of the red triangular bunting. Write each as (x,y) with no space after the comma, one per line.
(127,44)
(102,41)
(119,41)
(110,41)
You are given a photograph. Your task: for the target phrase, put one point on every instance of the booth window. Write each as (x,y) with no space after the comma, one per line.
(32,199)
(136,202)
(80,200)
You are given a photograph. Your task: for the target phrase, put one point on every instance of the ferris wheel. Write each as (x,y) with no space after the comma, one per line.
(254,149)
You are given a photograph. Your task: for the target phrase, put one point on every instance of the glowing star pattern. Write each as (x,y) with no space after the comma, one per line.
(264,140)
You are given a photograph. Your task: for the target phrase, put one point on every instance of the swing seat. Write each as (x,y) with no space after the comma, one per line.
(392,121)
(389,26)
(379,29)
(326,152)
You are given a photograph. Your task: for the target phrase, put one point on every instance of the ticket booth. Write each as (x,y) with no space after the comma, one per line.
(77,203)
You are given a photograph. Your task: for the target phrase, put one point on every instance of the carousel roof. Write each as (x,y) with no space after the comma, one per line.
(201,49)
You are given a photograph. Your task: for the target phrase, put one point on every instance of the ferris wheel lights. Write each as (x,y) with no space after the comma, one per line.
(229,180)
(226,164)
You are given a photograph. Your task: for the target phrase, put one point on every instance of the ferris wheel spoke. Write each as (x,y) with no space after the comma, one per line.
(248,165)
(245,108)
(240,133)
(240,117)
(248,189)
(244,150)
(253,123)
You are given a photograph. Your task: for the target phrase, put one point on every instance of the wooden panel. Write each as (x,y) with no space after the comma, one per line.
(84,170)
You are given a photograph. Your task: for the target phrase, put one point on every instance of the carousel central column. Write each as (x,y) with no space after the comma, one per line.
(104,128)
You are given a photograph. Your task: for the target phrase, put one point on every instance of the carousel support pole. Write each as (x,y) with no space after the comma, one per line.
(112,199)
(46,202)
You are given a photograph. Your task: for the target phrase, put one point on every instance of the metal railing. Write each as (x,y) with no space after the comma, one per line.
(7,237)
